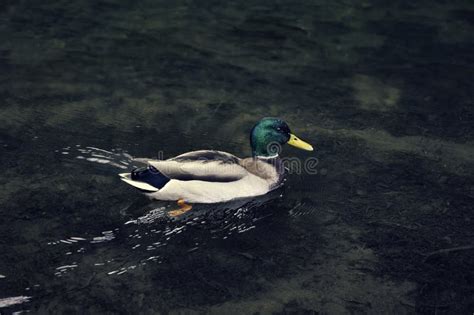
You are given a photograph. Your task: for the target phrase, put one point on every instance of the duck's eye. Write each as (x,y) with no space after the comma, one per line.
(278,129)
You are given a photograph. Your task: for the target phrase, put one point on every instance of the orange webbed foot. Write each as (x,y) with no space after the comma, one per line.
(183,208)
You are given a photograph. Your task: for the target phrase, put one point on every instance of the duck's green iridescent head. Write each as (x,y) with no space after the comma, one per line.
(269,134)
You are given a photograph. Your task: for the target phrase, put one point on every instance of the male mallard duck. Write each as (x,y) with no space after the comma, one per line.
(208,176)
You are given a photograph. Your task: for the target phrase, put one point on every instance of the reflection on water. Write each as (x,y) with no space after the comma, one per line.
(146,237)
(115,158)
(9,301)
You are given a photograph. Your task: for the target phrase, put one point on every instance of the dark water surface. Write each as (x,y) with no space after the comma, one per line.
(383,90)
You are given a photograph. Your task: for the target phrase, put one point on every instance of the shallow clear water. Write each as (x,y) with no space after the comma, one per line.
(383,90)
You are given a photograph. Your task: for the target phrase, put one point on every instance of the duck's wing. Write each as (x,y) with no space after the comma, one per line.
(204,165)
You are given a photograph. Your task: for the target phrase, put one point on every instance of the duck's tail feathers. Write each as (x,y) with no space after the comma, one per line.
(147,179)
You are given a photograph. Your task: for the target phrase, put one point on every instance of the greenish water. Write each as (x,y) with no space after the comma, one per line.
(383,90)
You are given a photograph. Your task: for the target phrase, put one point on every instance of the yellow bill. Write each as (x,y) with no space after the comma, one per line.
(300,144)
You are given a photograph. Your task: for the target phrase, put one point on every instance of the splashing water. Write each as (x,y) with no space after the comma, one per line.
(116,158)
